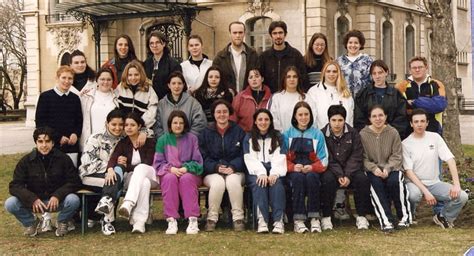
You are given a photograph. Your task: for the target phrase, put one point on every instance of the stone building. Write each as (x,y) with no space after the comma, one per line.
(395,30)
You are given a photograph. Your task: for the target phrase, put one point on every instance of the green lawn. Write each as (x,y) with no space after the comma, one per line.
(424,238)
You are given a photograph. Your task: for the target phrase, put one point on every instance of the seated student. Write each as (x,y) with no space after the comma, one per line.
(94,173)
(345,164)
(307,160)
(178,163)
(221,149)
(139,176)
(383,164)
(266,164)
(44,181)
(421,153)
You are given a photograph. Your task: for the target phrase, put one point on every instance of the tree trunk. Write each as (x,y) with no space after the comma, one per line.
(443,59)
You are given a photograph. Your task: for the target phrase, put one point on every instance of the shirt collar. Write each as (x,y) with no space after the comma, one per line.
(60,93)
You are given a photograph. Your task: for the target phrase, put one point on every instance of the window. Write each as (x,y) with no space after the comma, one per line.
(387,44)
(342,29)
(257,33)
(409,42)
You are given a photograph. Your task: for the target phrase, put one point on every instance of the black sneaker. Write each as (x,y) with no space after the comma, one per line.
(442,221)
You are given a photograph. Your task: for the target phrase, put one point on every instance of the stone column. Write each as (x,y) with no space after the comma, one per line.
(315,18)
(366,23)
(32,22)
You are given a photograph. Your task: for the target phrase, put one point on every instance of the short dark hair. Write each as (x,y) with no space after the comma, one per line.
(376,106)
(277,24)
(418,111)
(115,113)
(337,110)
(45,130)
(222,102)
(236,22)
(197,37)
(418,58)
(105,70)
(135,117)
(181,114)
(354,33)
(163,39)
(379,63)
(302,104)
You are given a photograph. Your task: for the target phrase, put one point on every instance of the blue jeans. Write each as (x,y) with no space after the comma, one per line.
(66,209)
(451,207)
(273,196)
(302,186)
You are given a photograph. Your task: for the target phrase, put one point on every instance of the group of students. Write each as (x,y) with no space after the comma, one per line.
(176,126)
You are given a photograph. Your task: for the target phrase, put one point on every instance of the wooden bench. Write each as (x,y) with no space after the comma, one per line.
(84,193)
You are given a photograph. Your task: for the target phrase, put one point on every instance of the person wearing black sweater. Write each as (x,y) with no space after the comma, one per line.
(60,109)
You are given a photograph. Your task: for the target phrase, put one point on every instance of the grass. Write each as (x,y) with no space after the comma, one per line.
(424,238)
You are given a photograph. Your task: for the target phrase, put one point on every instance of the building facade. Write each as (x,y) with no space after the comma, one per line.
(395,31)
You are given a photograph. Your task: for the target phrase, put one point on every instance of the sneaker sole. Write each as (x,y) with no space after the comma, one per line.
(123,212)
(102,210)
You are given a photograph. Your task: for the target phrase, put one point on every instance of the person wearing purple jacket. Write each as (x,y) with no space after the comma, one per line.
(179,165)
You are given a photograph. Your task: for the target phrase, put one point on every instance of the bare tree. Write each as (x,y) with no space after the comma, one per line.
(443,58)
(13,52)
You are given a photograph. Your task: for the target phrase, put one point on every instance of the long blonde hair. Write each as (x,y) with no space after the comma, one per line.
(144,83)
(341,85)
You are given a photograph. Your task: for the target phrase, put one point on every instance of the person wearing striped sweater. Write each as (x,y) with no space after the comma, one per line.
(383,165)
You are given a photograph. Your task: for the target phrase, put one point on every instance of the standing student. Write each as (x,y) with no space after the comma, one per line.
(255,96)
(179,99)
(196,66)
(236,58)
(84,75)
(124,52)
(355,64)
(213,88)
(383,165)
(60,109)
(178,164)
(332,90)
(307,160)
(221,149)
(381,93)
(159,64)
(274,61)
(317,54)
(97,102)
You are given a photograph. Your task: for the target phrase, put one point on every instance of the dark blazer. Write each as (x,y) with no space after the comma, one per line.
(166,66)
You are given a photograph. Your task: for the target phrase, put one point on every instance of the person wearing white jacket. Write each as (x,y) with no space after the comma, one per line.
(282,103)
(194,69)
(332,90)
(96,102)
(266,164)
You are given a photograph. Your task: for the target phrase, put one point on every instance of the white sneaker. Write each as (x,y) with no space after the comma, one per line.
(362,223)
(107,227)
(278,227)
(138,227)
(262,226)
(315,225)
(105,205)
(193,228)
(126,209)
(326,223)
(45,224)
(172,226)
(300,227)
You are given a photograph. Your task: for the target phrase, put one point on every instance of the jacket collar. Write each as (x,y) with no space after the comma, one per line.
(390,89)
(34,153)
(328,133)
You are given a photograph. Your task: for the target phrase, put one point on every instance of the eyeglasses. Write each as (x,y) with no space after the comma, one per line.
(417,67)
